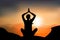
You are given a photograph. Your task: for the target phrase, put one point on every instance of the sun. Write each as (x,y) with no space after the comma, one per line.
(37,22)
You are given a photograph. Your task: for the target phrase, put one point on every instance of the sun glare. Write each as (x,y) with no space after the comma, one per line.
(37,22)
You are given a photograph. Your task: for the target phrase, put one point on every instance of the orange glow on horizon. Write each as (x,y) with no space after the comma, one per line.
(42,31)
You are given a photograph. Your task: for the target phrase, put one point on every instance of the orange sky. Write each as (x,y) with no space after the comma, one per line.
(50,17)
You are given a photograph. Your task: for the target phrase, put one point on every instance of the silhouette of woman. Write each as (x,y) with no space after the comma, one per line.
(28,24)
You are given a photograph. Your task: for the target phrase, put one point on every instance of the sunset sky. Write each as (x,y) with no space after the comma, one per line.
(47,15)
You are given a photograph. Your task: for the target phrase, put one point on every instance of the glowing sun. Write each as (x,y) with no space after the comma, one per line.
(37,22)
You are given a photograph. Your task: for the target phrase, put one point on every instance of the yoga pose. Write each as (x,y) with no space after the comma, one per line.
(28,24)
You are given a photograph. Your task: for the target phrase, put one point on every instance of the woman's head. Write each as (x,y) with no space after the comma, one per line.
(28,16)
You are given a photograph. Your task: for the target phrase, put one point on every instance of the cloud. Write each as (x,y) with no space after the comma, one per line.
(8,5)
(12,5)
